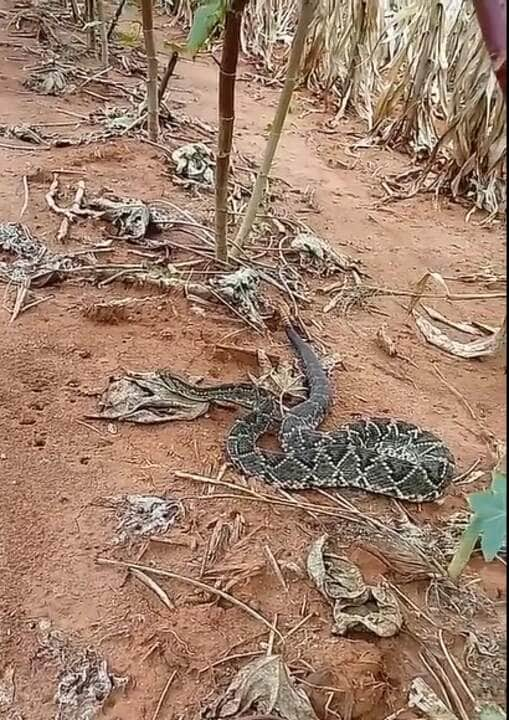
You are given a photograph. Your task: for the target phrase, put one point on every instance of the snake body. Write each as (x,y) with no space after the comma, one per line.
(377,455)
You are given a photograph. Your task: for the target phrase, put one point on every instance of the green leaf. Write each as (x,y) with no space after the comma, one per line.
(207,17)
(491,712)
(490,509)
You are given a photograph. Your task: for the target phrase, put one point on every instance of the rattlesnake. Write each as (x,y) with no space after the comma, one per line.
(378,455)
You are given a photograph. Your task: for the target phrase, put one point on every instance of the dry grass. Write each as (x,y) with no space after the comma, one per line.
(417,73)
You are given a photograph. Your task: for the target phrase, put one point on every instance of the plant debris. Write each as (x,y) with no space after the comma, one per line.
(262,686)
(49,80)
(355,604)
(84,682)
(480,347)
(136,221)
(318,253)
(195,162)
(144,515)
(34,262)
(145,398)
(26,133)
(421,696)
(84,686)
(241,290)
(283,380)
(8,694)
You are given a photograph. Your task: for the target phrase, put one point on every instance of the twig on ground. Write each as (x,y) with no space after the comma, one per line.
(376,291)
(50,198)
(455,392)
(21,293)
(24,147)
(248,494)
(454,667)
(275,566)
(221,661)
(191,581)
(454,702)
(73,210)
(26,196)
(351,514)
(270,642)
(157,589)
(415,608)
(163,695)
(298,626)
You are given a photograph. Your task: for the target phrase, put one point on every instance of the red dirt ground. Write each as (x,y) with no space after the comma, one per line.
(55,469)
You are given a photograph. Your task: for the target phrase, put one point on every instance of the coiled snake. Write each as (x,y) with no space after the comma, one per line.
(378,455)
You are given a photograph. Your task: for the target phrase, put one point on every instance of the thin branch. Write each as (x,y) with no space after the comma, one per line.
(226,102)
(150,50)
(306,14)
(163,695)
(103,34)
(170,69)
(116,17)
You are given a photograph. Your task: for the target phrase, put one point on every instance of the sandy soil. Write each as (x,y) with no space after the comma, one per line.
(56,468)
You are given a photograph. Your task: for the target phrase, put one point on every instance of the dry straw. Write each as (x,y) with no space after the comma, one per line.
(417,73)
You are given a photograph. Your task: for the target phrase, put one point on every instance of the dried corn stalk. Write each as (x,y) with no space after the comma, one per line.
(476,119)
(415,85)
(417,72)
(267,32)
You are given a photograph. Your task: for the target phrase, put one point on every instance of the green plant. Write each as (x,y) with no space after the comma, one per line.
(207,17)
(487,524)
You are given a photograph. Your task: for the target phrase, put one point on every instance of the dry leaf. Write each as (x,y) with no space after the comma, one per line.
(422,285)
(145,398)
(476,348)
(263,686)
(421,696)
(463,327)
(355,605)
(336,579)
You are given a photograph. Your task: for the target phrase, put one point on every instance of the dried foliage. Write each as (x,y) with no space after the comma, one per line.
(417,73)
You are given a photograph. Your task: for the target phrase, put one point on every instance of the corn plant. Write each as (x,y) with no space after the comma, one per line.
(150,50)
(208,17)
(415,71)
(489,508)
(487,525)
